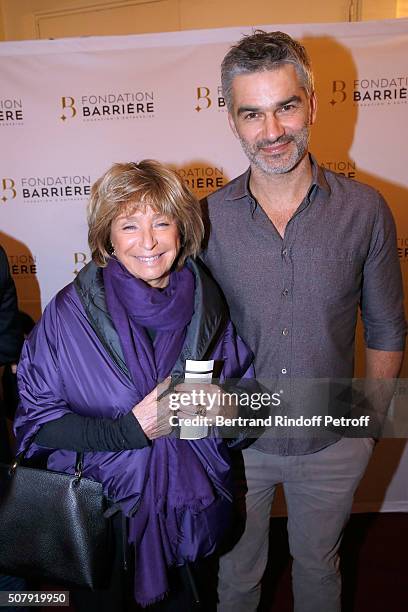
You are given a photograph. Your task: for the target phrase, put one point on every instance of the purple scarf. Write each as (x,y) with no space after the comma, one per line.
(133,306)
(176,493)
(180,516)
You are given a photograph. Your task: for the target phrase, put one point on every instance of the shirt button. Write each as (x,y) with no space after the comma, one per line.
(285,292)
(284,371)
(284,252)
(285,332)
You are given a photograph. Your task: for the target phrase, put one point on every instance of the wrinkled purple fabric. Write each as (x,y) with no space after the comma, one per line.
(133,306)
(182,514)
(180,489)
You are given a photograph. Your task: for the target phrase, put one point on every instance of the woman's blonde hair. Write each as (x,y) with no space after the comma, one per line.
(127,187)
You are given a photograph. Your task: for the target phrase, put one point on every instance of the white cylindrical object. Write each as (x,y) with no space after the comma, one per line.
(200,371)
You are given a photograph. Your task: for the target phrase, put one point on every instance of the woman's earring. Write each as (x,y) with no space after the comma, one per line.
(111,249)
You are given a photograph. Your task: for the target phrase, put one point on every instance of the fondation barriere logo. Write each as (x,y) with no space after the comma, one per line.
(11,112)
(402,247)
(23,265)
(341,166)
(207,98)
(377,91)
(109,106)
(8,189)
(203,180)
(57,188)
(80,260)
(38,189)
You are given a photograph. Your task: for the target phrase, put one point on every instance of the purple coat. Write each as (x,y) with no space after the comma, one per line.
(177,492)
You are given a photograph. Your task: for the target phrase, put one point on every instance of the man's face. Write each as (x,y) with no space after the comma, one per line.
(271,116)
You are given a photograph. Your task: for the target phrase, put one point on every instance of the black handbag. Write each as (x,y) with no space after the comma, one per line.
(54,526)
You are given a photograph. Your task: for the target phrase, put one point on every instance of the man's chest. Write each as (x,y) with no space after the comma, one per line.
(319,256)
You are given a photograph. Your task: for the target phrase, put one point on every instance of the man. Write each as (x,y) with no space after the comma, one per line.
(11,339)
(296,249)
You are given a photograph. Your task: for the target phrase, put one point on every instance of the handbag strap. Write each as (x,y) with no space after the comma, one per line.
(79,459)
(79,464)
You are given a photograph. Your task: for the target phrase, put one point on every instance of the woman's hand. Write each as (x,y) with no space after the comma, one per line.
(154,416)
(204,399)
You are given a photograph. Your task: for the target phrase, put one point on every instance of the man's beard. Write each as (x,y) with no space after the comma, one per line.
(280,163)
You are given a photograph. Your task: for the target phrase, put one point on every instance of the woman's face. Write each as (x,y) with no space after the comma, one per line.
(147,244)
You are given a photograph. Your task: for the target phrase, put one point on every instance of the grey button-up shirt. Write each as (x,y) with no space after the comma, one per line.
(294,300)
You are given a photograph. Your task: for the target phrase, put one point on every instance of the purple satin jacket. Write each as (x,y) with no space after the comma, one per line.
(177,492)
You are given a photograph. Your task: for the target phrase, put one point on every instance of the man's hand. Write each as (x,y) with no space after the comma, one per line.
(154,416)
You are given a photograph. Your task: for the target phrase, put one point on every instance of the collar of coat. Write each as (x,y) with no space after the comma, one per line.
(208,322)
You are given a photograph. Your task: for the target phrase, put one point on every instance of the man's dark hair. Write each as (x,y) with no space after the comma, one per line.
(265,51)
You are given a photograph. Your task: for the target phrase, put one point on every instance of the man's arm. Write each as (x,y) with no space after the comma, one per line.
(382,370)
(11,337)
(383,364)
(382,309)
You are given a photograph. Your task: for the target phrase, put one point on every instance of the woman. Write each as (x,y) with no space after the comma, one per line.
(93,372)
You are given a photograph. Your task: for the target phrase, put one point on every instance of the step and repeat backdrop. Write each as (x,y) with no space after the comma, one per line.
(70,108)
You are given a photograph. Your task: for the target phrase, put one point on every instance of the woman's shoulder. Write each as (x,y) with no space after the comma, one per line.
(84,287)
(207,286)
(65,304)
(63,300)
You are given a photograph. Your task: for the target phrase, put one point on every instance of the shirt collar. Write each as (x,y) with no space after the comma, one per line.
(318,176)
(240,186)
